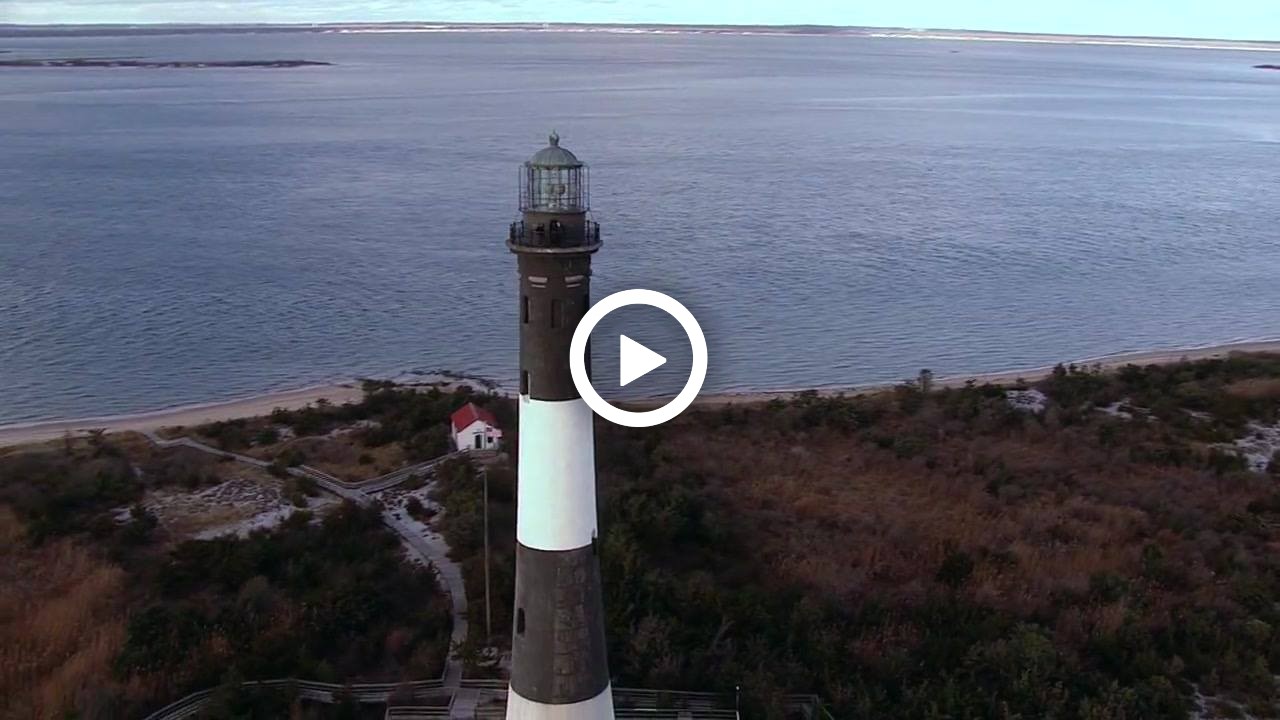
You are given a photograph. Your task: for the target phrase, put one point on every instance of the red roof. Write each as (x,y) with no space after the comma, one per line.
(469,413)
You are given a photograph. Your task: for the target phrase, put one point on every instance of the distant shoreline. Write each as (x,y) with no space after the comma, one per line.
(155,64)
(347,392)
(950,34)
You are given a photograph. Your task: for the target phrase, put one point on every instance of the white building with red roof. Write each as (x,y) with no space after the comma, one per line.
(475,428)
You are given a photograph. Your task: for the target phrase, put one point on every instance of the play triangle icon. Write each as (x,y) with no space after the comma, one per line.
(635,360)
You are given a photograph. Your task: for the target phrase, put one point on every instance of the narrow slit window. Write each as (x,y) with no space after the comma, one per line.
(557,313)
(524,309)
(520,621)
(524,382)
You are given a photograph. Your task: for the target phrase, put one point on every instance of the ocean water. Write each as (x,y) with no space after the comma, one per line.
(834,210)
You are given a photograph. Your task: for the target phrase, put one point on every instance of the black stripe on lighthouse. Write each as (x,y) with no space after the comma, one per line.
(558,648)
(555,292)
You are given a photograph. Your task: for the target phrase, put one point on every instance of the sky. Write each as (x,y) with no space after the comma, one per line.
(1230,19)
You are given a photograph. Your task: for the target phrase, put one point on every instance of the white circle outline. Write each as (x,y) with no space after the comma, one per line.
(578,346)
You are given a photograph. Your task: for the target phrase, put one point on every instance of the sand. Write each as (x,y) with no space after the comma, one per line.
(187,415)
(350,392)
(1002,377)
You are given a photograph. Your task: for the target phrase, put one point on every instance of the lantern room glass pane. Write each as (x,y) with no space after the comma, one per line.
(552,188)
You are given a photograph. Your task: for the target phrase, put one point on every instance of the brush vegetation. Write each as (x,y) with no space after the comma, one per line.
(917,553)
(392,426)
(104,615)
(939,553)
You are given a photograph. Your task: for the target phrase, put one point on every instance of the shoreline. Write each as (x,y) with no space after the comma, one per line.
(347,392)
(954,34)
(181,415)
(1091,40)
(1106,363)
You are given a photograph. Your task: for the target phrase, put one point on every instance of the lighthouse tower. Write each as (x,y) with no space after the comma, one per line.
(558,665)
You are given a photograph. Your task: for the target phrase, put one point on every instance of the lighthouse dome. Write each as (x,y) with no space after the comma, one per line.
(554,156)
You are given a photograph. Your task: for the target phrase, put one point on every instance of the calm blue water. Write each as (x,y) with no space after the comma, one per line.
(835,210)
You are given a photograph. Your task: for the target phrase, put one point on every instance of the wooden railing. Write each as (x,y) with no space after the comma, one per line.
(416,713)
(308,689)
(387,481)
(629,703)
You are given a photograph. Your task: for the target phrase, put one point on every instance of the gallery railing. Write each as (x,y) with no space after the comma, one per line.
(554,238)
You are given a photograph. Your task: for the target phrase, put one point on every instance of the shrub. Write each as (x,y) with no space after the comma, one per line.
(285,603)
(142,522)
(305,485)
(56,494)
(955,569)
(227,434)
(267,436)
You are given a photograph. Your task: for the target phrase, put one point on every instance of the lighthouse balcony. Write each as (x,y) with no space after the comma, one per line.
(551,239)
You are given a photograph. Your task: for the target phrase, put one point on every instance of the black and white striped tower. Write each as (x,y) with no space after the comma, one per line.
(558,665)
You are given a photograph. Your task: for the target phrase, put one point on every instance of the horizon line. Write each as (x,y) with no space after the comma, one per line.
(534,24)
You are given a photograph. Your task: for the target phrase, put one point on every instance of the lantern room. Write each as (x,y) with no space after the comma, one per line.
(554,180)
(555,201)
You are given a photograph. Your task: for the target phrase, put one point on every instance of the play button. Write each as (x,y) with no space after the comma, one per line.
(635,360)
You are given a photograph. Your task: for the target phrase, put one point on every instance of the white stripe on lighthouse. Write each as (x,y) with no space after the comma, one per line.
(599,707)
(557,489)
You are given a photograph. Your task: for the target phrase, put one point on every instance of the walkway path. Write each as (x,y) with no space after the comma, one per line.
(431,550)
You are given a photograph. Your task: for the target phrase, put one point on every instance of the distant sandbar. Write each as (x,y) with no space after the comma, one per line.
(954,34)
(135,63)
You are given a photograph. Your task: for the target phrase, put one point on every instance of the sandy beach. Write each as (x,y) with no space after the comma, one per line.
(23,433)
(186,415)
(1001,377)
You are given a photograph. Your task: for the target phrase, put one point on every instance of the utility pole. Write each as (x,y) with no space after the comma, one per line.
(488,615)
